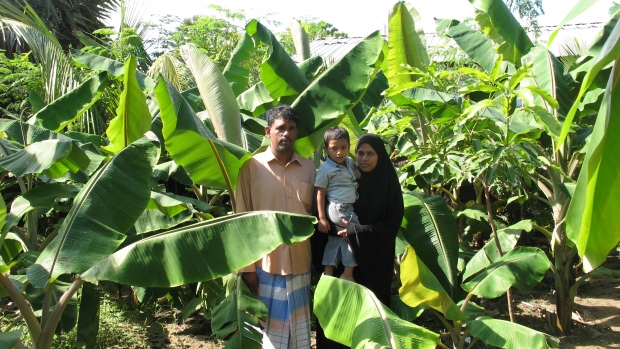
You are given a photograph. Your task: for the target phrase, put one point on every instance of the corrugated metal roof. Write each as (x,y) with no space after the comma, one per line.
(333,49)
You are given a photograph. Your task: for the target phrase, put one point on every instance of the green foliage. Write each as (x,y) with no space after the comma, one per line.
(19,77)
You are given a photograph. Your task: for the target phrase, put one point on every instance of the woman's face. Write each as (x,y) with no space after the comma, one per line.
(367,157)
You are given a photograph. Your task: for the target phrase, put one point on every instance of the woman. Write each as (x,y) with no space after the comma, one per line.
(380,210)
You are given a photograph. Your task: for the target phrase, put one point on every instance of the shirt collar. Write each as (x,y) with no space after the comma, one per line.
(270,157)
(332,163)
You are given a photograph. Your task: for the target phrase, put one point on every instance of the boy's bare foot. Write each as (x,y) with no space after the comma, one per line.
(347,277)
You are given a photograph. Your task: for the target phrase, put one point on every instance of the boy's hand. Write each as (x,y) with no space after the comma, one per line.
(323,225)
(358,174)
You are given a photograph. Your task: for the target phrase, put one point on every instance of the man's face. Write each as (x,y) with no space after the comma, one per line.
(283,134)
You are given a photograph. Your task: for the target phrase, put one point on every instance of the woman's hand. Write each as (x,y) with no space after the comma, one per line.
(343,233)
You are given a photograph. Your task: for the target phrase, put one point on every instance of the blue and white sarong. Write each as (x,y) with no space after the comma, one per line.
(287,298)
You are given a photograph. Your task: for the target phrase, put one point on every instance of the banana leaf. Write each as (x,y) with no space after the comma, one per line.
(61,112)
(523,268)
(579,8)
(507,26)
(207,160)
(430,228)
(350,314)
(507,237)
(477,46)
(38,197)
(326,101)
(8,339)
(216,93)
(104,210)
(24,133)
(256,100)
(154,219)
(202,251)
(53,157)
(590,222)
(239,313)
(505,334)
(608,54)
(237,70)
(133,118)
(406,43)
(421,288)
(88,317)
(300,39)
(117,69)
(278,71)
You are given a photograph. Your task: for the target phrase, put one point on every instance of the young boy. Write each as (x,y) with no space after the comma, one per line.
(336,192)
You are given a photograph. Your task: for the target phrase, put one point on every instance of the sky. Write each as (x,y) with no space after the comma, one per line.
(355,17)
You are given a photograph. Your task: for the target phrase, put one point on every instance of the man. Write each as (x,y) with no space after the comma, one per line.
(279,179)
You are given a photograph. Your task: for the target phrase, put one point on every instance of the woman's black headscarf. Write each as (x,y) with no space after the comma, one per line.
(380,210)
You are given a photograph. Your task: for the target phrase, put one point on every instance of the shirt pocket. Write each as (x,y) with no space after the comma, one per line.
(305,195)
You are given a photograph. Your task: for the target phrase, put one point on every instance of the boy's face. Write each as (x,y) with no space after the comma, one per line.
(337,150)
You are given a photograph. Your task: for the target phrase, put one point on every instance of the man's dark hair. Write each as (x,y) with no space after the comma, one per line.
(336,133)
(282,112)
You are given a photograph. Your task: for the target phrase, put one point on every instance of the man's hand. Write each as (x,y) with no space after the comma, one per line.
(251,280)
(323,225)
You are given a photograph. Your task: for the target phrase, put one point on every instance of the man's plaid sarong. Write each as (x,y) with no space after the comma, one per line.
(288,301)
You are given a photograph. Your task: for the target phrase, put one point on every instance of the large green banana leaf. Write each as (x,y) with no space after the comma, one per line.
(154,219)
(61,112)
(104,210)
(477,46)
(352,315)
(237,70)
(133,118)
(202,251)
(591,221)
(117,69)
(278,72)
(53,157)
(507,237)
(300,39)
(546,74)
(608,53)
(372,98)
(505,334)
(430,228)
(406,43)
(506,25)
(256,100)
(38,197)
(207,160)
(420,287)
(523,268)
(239,312)
(325,102)
(24,133)
(217,95)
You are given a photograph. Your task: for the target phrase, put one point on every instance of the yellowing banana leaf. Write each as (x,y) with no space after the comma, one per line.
(420,287)
(591,222)
(207,160)
(325,102)
(216,93)
(406,43)
(202,251)
(61,112)
(523,268)
(352,315)
(133,118)
(429,227)
(104,210)
(53,157)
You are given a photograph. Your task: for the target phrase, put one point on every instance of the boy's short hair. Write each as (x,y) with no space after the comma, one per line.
(282,112)
(336,133)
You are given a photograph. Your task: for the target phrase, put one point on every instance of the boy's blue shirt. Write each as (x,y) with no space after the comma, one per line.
(339,181)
